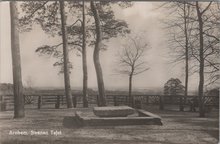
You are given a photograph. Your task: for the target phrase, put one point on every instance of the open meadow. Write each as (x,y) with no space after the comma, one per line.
(178,128)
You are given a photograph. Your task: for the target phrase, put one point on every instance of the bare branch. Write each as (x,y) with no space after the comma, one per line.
(131,58)
(136,73)
(206,8)
(78,20)
(212,36)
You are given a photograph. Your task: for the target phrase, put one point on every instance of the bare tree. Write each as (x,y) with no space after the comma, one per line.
(201,56)
(131,61)
(181,36)
(180,27)
(204,49)
(16,64)
(205,46)
(200,32)
(186,14)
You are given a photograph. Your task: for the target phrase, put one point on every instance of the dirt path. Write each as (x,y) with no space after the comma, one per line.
(178,128)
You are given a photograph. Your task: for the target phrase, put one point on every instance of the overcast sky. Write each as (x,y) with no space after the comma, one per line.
(141,18)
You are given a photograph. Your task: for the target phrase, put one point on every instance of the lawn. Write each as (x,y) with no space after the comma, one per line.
(178,128)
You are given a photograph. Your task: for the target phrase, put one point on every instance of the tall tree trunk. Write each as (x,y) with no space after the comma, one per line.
(186,53)
(130,97)
(84,61)
(97,64)
(201,62)
(16,64)
(186,50)
(66,58)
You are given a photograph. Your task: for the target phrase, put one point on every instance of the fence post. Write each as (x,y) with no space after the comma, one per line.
(74,98)
(147,100)
(97,100)
(137,104)
(161,102)
(39,102)
(181,103)
(132,100)
(62,100)
(57,105)
(2,103)
(115,101)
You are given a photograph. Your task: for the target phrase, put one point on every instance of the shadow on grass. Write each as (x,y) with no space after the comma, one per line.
(71,122)
(6,118)
(213,133)
(210,124)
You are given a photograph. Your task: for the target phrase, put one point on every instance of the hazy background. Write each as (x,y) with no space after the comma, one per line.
(143,18)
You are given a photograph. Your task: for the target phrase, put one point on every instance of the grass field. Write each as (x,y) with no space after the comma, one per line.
(178,128)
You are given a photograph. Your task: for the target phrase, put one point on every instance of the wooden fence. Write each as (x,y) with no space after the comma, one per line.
(56,100)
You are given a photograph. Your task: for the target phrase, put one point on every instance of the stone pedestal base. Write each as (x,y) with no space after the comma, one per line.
(113,111)
(139,118)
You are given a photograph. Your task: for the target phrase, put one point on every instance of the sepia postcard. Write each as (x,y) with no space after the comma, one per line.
(109,72)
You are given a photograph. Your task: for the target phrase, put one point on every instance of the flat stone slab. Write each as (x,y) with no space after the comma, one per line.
(142,118)
(113,111)
(143,113)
